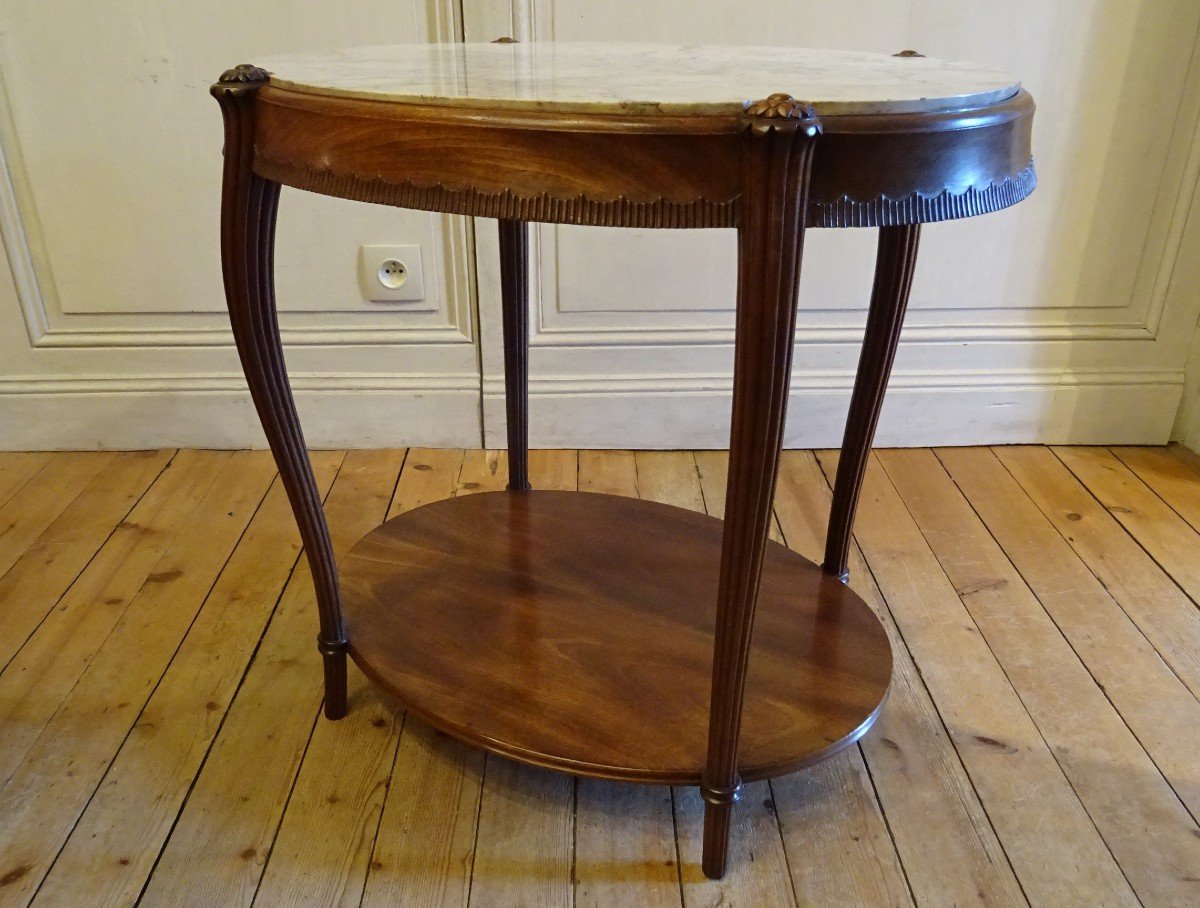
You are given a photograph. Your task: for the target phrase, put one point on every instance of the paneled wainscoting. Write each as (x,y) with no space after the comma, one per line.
(161,737)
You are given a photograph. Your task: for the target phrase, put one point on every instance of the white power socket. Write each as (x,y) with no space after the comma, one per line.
(390,273)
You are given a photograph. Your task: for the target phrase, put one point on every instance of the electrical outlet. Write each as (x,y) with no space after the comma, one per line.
(390,273)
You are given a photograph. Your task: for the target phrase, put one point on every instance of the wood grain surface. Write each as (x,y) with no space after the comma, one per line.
(225,792)
(575,631)
(636,171)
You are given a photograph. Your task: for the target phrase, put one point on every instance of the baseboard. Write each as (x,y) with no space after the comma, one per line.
(1053,407)
(212,418)
(625,412)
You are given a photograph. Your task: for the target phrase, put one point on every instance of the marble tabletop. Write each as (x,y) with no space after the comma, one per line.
(642,79)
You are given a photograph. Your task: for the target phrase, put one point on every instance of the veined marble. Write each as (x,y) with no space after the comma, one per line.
(642,79)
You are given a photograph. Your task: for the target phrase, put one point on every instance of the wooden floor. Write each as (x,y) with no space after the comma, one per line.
(161,737)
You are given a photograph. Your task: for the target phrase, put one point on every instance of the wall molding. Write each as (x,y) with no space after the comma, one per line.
(203,418)
(546,385)
(77,384)
(1181,195)
(1062,406)
(1176,186)
(115,411)
(841,380)
(317,336)
(45,331)
(102,411)
(48,326)
(637,336)
(14,232)
(551,319)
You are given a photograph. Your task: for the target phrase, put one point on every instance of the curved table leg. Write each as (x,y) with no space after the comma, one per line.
(776,162)
(248,208)
(894,264)
(514,300)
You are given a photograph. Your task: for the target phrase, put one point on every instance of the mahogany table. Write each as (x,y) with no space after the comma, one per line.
(590,633)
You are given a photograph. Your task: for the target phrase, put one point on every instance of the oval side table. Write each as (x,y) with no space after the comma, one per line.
(590,633)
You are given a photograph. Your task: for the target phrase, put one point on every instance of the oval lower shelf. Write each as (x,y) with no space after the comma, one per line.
(574,630)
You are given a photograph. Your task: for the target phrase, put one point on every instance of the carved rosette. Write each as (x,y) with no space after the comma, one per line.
(780,112)
(244,73)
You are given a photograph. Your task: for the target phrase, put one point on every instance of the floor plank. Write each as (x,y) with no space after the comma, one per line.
(137,559)
(1172,472)
(1119,785)
(160,701)
(323,851)
(608,472)
(1158,707)
(425,845)
(113,846)
(36,504)
(837,843)
(1168,538)
(525,842)
(758,869)
(948,849)
(625,848)
(36,582)
(625,845)
(1057,854)
(1160,609)
(57,775)
(18,467)
(225,832)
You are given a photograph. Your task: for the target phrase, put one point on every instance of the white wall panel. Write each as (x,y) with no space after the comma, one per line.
(1067,318)
(112,148)
(1053,311)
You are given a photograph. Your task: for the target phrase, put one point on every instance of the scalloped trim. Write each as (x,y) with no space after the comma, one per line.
(923,208)
(506,205)
(919,208)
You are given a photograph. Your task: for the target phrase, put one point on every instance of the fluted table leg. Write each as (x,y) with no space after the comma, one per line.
(248,209)
(777,156)
(894,265)
(514,294)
